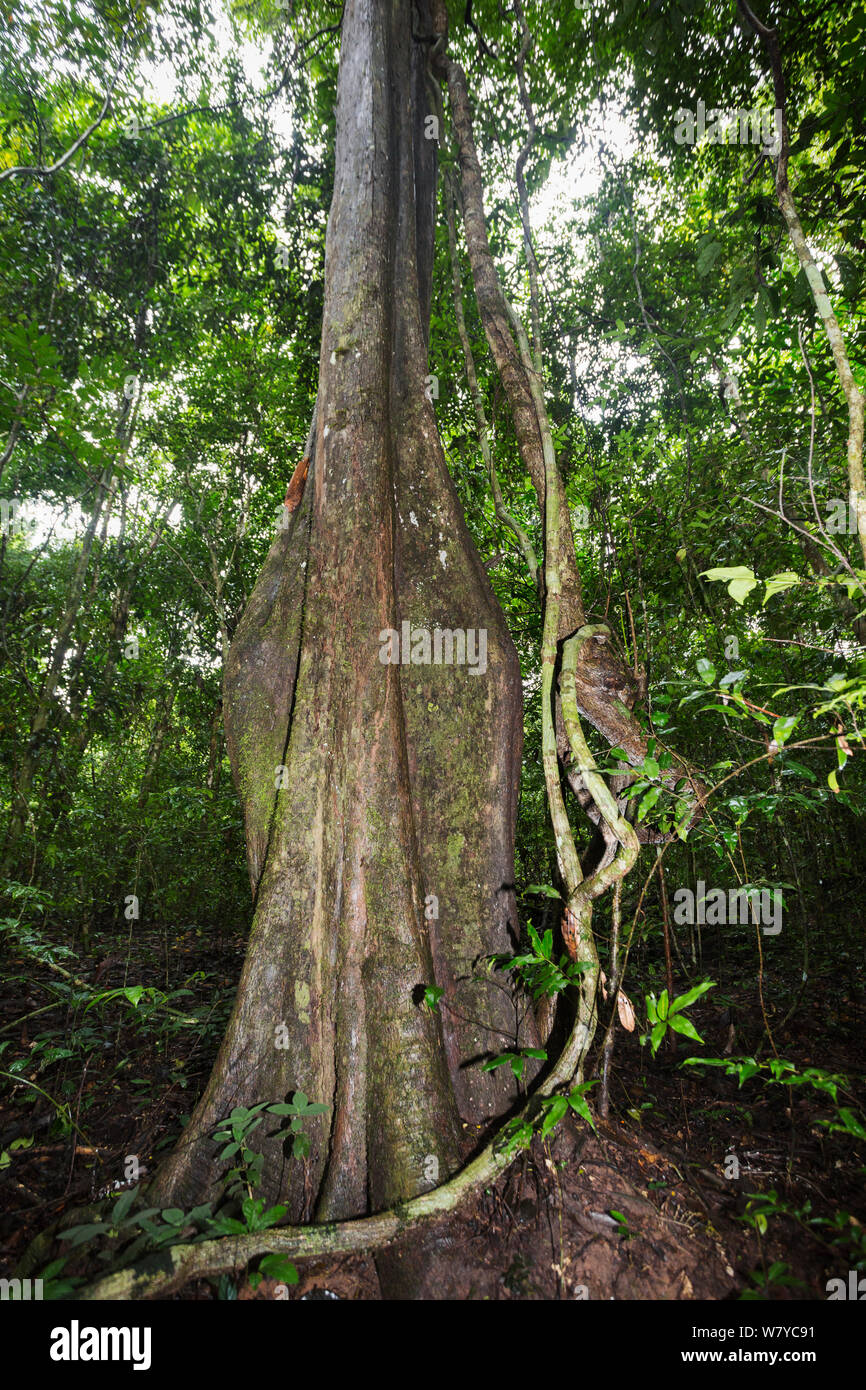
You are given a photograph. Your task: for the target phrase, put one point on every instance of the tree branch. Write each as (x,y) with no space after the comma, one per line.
(850,389)
(42,171)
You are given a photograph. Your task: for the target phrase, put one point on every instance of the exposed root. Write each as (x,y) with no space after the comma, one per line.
(163,1273)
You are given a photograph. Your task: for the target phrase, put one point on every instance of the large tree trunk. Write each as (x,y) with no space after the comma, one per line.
(400,781)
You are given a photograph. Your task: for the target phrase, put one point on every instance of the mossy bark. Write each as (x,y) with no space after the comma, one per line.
(400,781)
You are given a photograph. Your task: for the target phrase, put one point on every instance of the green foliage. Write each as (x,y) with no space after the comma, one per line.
(776,1276)
(519,1132)
(780,1071)
(132,1229)
(516,1060)
(538,970)
(664,1014)
(274,1267)
(845,1232)
(234,1133)
(300,1109)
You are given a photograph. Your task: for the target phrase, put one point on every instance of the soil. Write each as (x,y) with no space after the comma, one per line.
(641,1210)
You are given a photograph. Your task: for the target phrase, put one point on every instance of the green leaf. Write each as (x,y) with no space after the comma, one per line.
(124,1202)
(227,1226)
(681,1024)
(77,1235)
(278,1267)
(784,727)
(802,771)
(778,582)
(850,1123)
(495,1062)
(683,1001)
(740,580)
(578,1101)
(648,802)
(739,589)
(141,1217)
(553,1114)
(252,1208)
(708,255)
(706,670)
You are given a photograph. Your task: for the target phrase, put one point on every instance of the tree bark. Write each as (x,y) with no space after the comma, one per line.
(382,861)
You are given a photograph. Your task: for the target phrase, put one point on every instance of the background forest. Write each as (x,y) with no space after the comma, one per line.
(166,171)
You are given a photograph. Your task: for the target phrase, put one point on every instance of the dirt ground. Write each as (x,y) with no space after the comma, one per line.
(641,1211)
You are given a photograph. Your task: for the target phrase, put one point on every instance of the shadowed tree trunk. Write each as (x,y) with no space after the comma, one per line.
(381,861)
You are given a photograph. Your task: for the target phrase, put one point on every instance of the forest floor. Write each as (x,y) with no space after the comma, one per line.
(642,1210)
